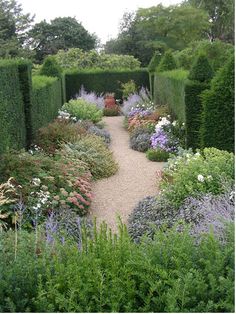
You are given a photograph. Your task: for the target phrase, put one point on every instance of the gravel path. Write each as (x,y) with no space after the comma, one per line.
(135,179)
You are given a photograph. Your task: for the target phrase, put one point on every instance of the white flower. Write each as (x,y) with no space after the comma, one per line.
(197,154)
(200,178)
(36,181)
(174,123)
(209,178)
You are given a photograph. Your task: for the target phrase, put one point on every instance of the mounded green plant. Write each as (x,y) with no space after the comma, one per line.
(189,174)
(50,67)
(110,112)
(157,154)
(51,137)
(92,150)
(112,274)
(83,110)
(167,62)
(217,128)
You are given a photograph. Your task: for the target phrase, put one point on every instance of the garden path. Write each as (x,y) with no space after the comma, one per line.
(135,179)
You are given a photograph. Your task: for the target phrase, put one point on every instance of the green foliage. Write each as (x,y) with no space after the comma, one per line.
(154,62)
(218,110)
(193,112)
(46,100)
(12,115)
(61,33)
(93,151)
(167,62)
(51,137)
(169,90)
(217,53)
(83,110)
(14,25)
(128,88)
(159,28)
(157,154)
(100,81)
(201,70)
(112,274)
(190,174)
(110,112)
(76,58)
(51,68)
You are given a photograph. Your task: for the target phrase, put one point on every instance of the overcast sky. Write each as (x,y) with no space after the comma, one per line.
(97,16)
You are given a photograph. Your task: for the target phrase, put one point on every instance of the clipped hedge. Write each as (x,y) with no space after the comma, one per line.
(169,90)
(101,81)
(200,75)
(218,126)
(12,116)
(46,100)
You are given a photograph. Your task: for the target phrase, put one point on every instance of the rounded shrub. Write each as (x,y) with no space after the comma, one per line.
(104,134)
(201,70)
(157,154)
(92,150)
(167,62)
(51,68)
(83,110)
(140,139)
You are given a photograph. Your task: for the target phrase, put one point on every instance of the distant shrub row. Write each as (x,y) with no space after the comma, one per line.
(25,106)
(101,81)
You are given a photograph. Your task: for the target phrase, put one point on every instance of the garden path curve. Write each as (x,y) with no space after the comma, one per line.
(135,179)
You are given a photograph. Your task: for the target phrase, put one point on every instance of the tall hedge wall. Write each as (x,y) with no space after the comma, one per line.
(101,81)
(169,90)
(46,100)
(12,116)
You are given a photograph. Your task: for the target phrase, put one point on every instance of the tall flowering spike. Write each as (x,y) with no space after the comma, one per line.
(51,228)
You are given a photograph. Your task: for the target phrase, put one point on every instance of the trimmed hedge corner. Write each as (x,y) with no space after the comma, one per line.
(12,116)
(46,101)
(169,90)
(101,81)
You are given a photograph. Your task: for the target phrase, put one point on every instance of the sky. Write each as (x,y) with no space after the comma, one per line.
(101,17)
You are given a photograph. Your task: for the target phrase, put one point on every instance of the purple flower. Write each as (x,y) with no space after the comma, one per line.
(51,228)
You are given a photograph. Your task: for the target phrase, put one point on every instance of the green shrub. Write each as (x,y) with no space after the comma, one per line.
(128,88)
(217,52)
(167,62)
(46,101)
(157,154)
(51,137)
(83,110)
(12,114)
(191,174)
(169,90)
(51,68)
(92,150)
(201,70)
(218,110)
(100,81)
(112,274)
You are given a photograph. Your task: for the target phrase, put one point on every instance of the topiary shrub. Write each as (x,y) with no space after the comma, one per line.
(200,75)
(201,70)
(217,128)
(157,154)
(50,67)
(167,63)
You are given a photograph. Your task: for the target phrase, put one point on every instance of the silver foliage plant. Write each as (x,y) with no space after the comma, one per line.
(203,214)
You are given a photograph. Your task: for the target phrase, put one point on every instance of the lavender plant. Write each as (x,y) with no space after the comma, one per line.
(91,98)
(104,134)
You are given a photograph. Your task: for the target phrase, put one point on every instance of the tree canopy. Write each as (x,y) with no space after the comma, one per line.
(62,33)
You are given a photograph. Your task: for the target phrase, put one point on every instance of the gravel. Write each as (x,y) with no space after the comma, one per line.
(136,178)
